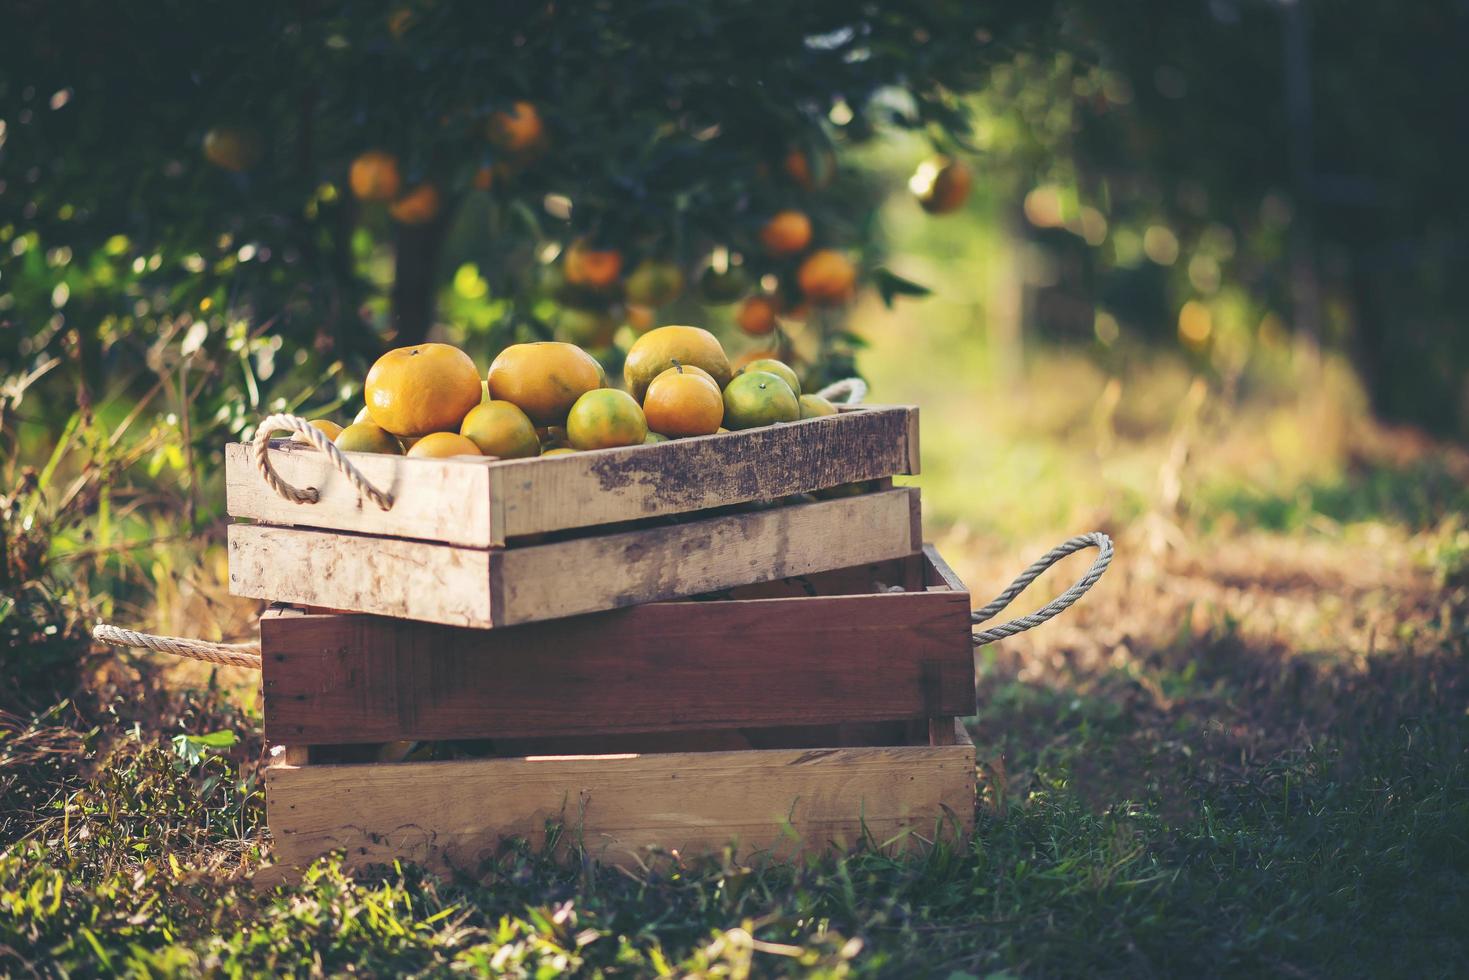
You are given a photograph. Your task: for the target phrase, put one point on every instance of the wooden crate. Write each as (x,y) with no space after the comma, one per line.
(785,716)
(488,543)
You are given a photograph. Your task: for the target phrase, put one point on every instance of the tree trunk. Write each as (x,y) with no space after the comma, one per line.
(416,279)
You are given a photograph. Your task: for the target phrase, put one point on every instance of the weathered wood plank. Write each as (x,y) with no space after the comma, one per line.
(435,499)
(667,666)
(711,471)
(453,815)
(389,576)
(484,503)
(686,559)
(466,587)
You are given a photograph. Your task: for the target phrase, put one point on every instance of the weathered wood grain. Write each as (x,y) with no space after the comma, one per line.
(768,803)
(666,666)
(484,503)
(466,587)
(435,499)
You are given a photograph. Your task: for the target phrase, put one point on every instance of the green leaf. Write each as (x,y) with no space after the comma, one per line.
(890,285)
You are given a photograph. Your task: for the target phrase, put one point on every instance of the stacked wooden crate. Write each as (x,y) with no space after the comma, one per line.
(736,639)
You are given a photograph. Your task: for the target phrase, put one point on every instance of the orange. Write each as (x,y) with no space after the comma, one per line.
(756,316)
(591,268)
(419,206)
(413,391)
(654,283)
(759,398)
(545,379)
(640,318)
(501,429)
(588,328)
(363,415)
(827,277)
(519,132)
(484,178)
(559,451)
(374,176)
(776,367)
(751,356)
(786,234)
(654,438)
(681,403)
(364,437)
(604,419)
(814,406)
(941,185)
(724,287)
(657,350)
(331,429)
(399,20)
(232,149)
(693,369)
(441,445)
(798,168)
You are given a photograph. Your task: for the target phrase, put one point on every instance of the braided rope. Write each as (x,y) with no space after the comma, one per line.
(1056,606)
(848,391)
(245,655)
(261,447)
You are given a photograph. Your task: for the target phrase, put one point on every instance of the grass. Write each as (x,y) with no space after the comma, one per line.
(1247,752)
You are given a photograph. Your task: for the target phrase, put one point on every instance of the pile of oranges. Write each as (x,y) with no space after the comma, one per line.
(551,398)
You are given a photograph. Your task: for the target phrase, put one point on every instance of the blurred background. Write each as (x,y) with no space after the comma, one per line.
(1186,272)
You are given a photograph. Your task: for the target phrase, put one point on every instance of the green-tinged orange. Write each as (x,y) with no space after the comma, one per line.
(759,398)
(654,438)
(559,451)
(544,378)
(501,429)
(604,419)
(365,437)
(327,426)
(442,445)
(778,368)
(814,406)
(413,391)
(653,283)
(657,350)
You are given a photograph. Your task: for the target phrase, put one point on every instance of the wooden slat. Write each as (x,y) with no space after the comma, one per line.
(668,666)
(684,475)
(435,499)
(485,503)
(466,587)
(453,815)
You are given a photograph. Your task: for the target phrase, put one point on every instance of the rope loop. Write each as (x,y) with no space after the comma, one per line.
(1056,606)
(245,655)
(310,495)
(848,391)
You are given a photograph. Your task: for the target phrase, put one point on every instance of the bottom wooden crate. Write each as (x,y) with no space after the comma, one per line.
(771,803)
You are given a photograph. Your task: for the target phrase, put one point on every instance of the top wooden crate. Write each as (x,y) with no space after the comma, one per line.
(487,543)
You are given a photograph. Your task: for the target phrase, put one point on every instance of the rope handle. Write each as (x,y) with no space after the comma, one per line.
(1056,606)
(245,655)
(295,423)
(848,391)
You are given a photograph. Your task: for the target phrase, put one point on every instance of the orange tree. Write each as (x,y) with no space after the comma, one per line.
(319,173)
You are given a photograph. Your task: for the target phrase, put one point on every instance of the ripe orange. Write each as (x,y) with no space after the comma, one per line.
(776,367)
(591,268)
(232,149)
(693,369)
(759,398)
(654,283)
(941,185)
(787,233)
(756,315)
(374,176)
(640,318)
(681,403)
(799,169)
(604,419)
(419,206)
(365,437)
(331,429)
(657,350)
(501,429)
(814,406)
(413,391)
(545,379)
(827,278)
(519,134)
(441,445)
(484,178)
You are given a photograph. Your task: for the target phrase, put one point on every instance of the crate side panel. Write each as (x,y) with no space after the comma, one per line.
(685,475)
(660,667)
(390,576)
(453,815)
(614,570)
